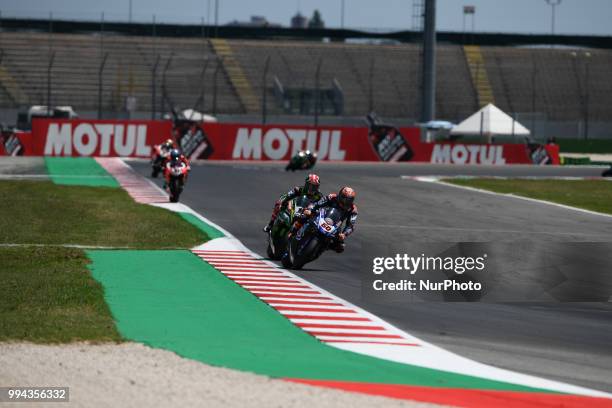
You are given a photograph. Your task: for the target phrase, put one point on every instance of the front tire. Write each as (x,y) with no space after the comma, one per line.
(174,191)
(270,253)
(286,261)
(311,248)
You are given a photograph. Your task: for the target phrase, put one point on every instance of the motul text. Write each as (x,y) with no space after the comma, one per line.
(85,139)
(468,154)
(278,144)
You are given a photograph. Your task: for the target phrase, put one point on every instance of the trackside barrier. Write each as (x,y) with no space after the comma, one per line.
(226,141)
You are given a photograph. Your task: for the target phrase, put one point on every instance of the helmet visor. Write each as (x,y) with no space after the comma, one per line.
(310,188)
(346,202)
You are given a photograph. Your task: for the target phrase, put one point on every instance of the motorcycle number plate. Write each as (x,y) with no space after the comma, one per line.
(326,226)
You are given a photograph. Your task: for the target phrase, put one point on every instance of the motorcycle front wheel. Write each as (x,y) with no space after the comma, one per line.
(174,191)
(307,254)
(286,261)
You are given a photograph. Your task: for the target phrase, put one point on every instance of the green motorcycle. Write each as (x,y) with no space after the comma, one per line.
(304,160)
(277,236)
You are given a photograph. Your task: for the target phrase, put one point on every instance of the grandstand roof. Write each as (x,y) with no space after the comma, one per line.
(270,32)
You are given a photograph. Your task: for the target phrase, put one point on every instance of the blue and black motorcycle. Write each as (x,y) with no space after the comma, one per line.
(315,236)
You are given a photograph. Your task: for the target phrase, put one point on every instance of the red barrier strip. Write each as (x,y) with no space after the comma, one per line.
(472,398)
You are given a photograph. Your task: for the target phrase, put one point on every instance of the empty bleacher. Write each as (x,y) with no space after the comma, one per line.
(127,72)
(557,82)
(569,84)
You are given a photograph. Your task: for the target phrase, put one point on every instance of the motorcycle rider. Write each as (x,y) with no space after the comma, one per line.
(343,201)
(311,158)
(159,156)
(310,189)
(305,159)
(166,147)
(174,159)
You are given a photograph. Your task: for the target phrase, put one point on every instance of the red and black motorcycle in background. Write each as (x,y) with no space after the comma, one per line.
(176,176)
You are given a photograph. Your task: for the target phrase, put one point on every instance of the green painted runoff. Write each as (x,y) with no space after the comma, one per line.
(175,301)
(81,171)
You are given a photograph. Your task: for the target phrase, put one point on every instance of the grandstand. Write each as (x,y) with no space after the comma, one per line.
(225,76)
(127,72)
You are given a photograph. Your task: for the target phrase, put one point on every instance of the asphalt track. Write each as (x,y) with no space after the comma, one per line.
(570,342)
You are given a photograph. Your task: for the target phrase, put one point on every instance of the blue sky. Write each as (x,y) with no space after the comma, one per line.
(522,16)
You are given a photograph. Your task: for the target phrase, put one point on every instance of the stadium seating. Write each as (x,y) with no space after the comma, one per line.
(560,76)
(395,79)
(128,71)
(563,88)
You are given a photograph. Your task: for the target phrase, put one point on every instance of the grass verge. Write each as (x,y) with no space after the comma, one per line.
(45,213)
(585,146)
(48,295)
(594,195)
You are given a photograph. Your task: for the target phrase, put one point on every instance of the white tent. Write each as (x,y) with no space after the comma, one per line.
(194,115)
(490,121)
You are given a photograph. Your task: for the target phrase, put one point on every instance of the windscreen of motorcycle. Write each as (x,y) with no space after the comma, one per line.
(329,221)
(301,202)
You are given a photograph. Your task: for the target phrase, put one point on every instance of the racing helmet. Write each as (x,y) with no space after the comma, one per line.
(346,197)
(175,155)
(169,143)
(311,184)
(312,156)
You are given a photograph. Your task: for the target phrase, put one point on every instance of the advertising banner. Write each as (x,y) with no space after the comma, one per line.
(13,143)
(274,142)
(230,141)
(125,138)
(491,154)
(383,143)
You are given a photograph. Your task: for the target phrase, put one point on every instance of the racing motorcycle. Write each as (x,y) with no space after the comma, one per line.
(315,236)
(177,175)
(277,236)
(304,160)
(157,160)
